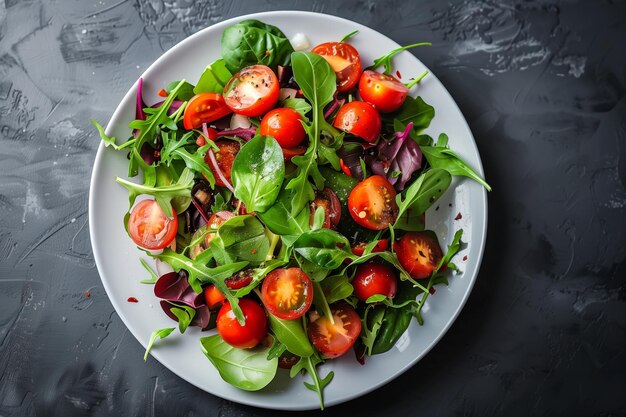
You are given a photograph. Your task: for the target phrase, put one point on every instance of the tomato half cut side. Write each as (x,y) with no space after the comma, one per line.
(328,200)
(225,156)
(382,91)
(334,339)
(251,333)
(380,246)
(372,203)
(149,227)
(345,60)
(419,253)
(204,108)
(252,91)
(287,293)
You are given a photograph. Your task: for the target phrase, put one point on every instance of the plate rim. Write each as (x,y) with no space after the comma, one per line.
(118,114)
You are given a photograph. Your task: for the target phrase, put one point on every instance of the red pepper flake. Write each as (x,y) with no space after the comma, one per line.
(432,290)
(267,52)
(132,300)
(398,74)
(88,293)
(459,216)
(162,93)
(253,251)
(465,258)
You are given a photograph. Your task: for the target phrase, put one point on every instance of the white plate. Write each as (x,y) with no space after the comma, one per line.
(117,258)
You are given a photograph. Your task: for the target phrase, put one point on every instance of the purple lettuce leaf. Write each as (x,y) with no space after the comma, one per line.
(174,287)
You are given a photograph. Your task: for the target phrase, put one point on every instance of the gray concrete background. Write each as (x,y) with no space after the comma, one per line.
(542,84)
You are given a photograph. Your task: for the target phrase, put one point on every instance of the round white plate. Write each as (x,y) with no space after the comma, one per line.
(117,258)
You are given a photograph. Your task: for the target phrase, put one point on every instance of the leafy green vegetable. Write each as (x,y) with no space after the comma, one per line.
(258,172)
(324,248)
(385,60)
(291,333)
(349,35)
(440,156)
(309,364)
(419,196)
(179,149)
(247,369)
(163,195)
(214,78)
(298,104)
(184,314)
(242,238)
(414,110)
(370,326)
(276,350)
(257,276)
(153,276)
(110,140)
(184,93)
(278,217)
(337,287)
(251,42)
(157,334)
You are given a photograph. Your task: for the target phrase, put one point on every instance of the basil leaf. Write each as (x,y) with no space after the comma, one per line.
(414,110)
(419,196)
(291,333)
(247,369)
(258,172)
(445,158)
(157,334)
(213,79)
(252,42)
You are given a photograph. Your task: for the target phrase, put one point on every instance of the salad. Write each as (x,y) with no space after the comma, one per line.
(283,198)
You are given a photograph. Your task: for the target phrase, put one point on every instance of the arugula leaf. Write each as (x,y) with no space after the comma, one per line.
(174,149)
(163,195)
(419,196)
(184,93)
(276,350)
(440,156)
(371,326)
(324,248)
(291,333)
(309,364)
(298,104)
(258,172)
(243,238)
(257,276)
(252,42)
(247,369)
(184,314)
(157,334)
(214,78)
(348,36)
(153,276)
(110,140)
(385,60)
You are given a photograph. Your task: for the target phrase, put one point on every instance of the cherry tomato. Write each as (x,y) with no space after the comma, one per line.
(252,91)
(360,119)
(284,125)
(204,108)
(334,339)
(327,199)
(372,203)
(250,334)
(381,246)
(224,157)
(419,253)
(213,297)
(287,293)
(216,221)
(382,91)
(372,278)
(149,227)
(291,152)
(344,59)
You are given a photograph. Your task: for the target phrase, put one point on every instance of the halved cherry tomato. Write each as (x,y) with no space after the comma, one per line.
(360,119)
(291,152)
(334,339)
(381,246)
(204,108)
(149,227)
(327,199)
(287,293)
(215,221)
(213,297)
(372,203)
(382,91)
(284,125)
(419,253)
(250,334)
(252,91)
(372,278)
(344,59)
(224,157)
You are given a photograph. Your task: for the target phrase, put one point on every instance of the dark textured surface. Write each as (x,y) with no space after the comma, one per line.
(542,84)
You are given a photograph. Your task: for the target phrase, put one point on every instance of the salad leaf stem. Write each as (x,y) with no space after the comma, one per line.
(385,60)
(157,334)
(349,35)
(416,80)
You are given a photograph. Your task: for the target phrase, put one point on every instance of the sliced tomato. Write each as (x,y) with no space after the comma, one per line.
(419,253)
(225,157)
(381,246)
(287,293)
(252,91)
(204,108)
(360,119)
(382,91)
(372,279)
(213,297)
(372,203)
(251,333)
(285,125)
(345,60)
(327,199)
(149,227)
(334,339)
(291,152)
